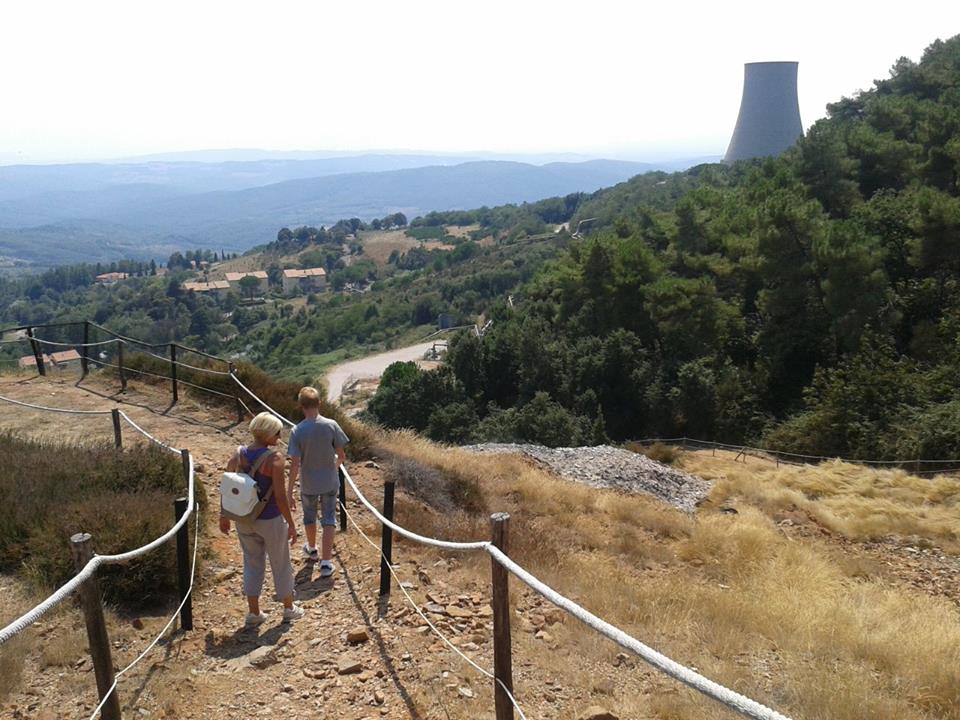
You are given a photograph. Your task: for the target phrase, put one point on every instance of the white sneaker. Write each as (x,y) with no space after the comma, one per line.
(309,552)
(326,568)
(254,620)
(293,613)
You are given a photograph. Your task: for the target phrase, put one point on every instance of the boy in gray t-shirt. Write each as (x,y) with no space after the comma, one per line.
(316,451)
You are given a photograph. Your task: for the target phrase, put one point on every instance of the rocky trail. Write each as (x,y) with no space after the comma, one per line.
(352,656)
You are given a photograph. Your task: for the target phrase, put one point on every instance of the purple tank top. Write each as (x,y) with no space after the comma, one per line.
(263,482)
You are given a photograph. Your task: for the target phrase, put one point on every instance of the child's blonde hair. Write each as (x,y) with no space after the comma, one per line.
(308,397)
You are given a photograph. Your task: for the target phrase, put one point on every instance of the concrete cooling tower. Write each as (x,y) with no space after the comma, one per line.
(769,119)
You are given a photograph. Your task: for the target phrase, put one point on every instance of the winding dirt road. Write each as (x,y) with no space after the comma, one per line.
(370,367)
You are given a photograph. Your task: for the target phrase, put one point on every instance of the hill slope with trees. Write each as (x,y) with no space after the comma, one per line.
(808,301)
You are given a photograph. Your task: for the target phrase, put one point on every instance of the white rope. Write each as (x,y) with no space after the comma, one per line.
(268,408)
(141,656)
(76,344)
(66,411)
(150,437)
(446,544)
(427,620)
(731,699)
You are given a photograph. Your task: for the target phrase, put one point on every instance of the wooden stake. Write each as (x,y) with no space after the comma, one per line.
(502,659)
(117,435)
(123,378)
(37,355)
(173,371)
(343,500)
(183,564)
(85,355)
(82,547)
(386,538)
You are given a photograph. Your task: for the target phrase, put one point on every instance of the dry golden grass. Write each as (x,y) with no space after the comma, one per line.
(854,501)
(378,244)
(781,620)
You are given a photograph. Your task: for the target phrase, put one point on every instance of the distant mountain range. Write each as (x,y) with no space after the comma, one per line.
(52,214)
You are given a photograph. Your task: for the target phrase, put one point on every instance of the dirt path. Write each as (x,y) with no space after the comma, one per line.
(352,656)
(370,367)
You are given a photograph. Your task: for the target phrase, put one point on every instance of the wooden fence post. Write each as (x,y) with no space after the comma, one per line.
(173,371)
(37,355)
(386,538)
(183,564)
(117,434)
(343,500)
(123,378)
(82,547)
(84,356)
(236,397)
(502,659)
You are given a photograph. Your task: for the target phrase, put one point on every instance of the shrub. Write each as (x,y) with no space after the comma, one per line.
(441,490)
(123,498)
(666,454)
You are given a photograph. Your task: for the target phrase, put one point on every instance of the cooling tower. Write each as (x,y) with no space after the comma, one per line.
(769,119)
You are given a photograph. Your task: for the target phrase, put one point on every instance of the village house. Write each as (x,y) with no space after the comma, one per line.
(55,361)
(234,279)
(110,278)
(308,280)
(217,288)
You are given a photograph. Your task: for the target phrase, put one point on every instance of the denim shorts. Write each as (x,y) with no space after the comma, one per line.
(328,509)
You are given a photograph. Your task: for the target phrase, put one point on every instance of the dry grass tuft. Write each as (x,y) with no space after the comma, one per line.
(856,502)
(666,454)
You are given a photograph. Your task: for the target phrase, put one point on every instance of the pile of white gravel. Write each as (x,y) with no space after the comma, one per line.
(610,467)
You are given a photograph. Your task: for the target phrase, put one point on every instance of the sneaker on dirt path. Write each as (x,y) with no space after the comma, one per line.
(292,613)
(254,620)
(310,553)
(326,568)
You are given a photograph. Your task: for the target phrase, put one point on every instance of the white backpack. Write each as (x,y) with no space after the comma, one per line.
(239,497)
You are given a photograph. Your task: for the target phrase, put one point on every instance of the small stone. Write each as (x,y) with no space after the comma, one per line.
(465,692)
(595,712)
(137,623)
(226,574)
(485,611)
(371,464)
(554,616)
(348,665)
(378,697)
(458,612)
(288,688)
(358,635)
(435,608)
(543,635)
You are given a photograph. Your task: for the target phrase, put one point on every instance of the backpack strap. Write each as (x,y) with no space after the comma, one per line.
(256,466)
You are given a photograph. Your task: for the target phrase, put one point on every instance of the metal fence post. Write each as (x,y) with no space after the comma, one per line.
(37,355)
(386,538)
(502,659)
(183,564)
(173,371)
(82,547)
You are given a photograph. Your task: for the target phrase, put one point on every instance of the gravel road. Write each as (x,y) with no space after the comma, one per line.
(370,367)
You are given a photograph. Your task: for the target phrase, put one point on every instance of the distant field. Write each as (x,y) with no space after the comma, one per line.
(378,244)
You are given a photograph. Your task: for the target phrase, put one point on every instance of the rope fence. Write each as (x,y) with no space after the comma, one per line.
(688,676)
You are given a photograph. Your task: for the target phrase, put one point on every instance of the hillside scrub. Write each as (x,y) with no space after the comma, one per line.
(123,498)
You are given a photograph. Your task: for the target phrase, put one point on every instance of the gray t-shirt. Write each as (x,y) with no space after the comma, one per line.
(315,443)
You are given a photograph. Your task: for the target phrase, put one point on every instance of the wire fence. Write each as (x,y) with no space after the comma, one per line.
(916,466)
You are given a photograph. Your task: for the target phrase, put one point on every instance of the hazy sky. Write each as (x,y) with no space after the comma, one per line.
(102,79)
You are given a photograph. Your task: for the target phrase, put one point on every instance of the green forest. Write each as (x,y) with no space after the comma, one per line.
(807,303)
